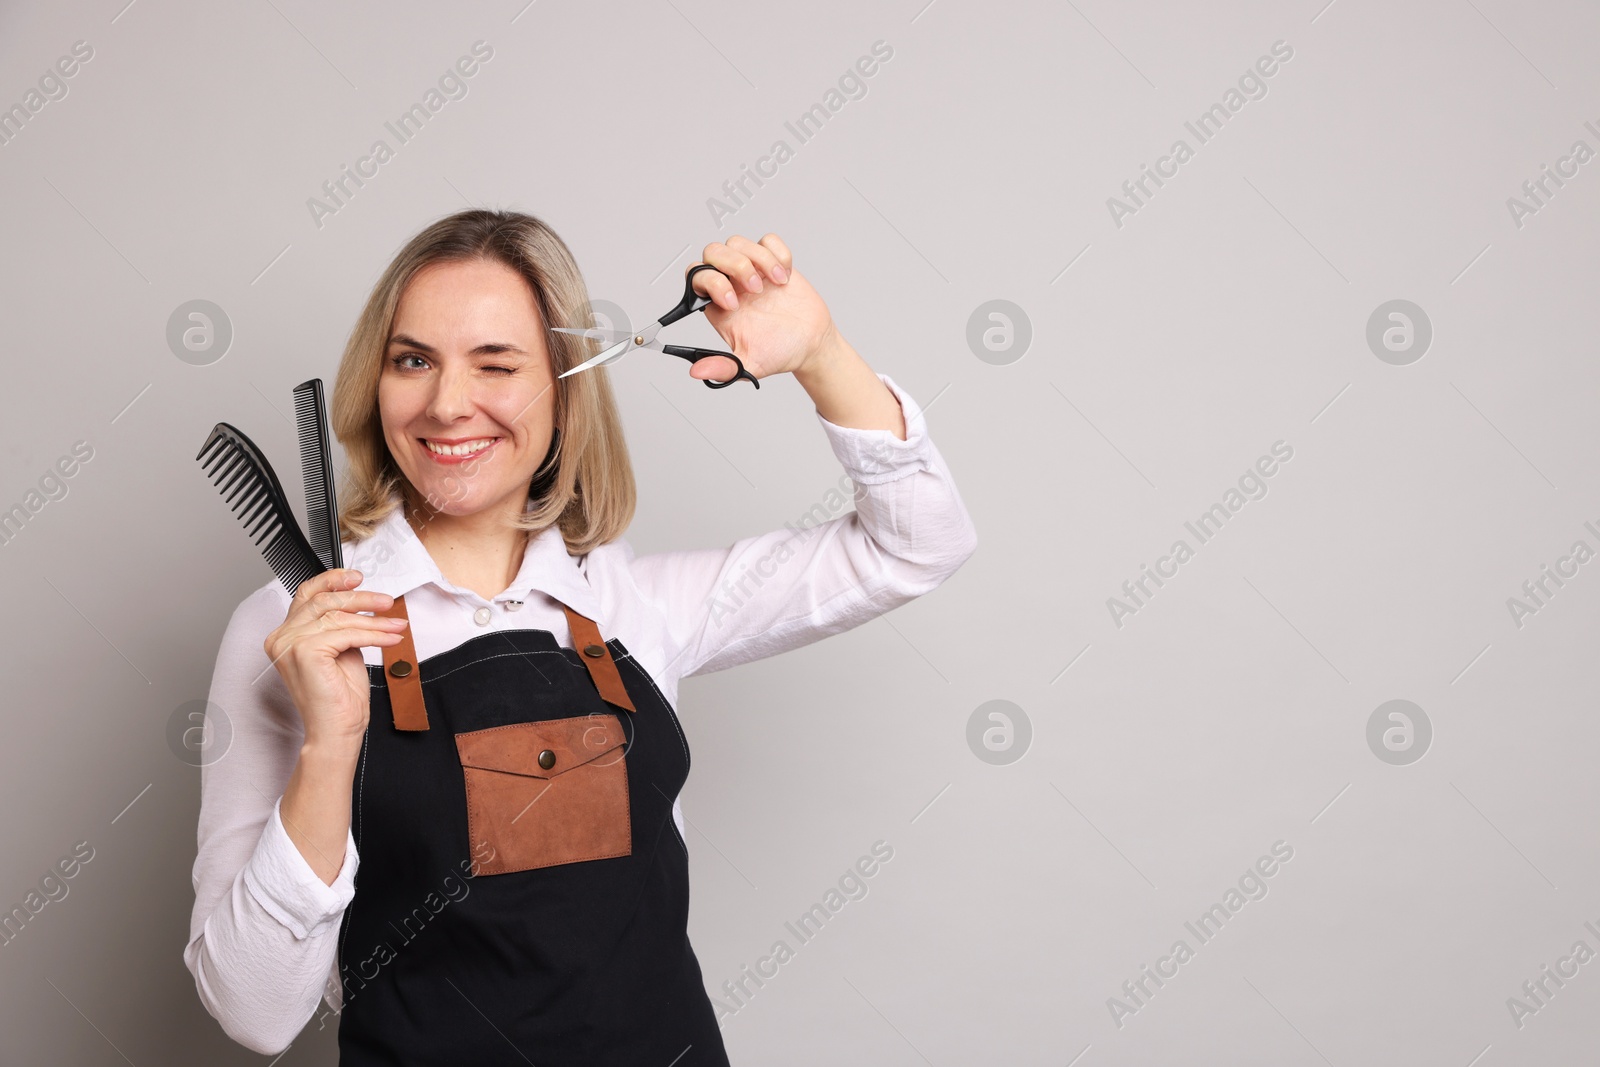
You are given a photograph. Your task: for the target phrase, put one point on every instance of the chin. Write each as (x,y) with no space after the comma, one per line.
(445,497)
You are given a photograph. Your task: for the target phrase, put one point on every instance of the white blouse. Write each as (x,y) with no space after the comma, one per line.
(264,930)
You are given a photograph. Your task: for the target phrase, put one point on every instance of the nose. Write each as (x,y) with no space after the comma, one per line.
(452,396)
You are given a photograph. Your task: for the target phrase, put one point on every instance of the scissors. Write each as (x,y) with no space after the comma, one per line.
(622,343)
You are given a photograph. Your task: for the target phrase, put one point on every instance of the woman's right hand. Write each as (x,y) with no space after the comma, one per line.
(317,652)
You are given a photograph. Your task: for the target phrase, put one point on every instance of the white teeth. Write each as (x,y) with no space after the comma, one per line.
(465,449)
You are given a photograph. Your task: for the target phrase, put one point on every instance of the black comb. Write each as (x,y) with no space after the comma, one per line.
(316,466)
(246,480)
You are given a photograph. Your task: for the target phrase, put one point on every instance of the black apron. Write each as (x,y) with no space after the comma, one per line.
(578,961)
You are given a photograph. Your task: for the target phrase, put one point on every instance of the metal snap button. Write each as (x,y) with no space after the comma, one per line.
(400,668)
(547,759)
(512,605)
(594,651)
(482,616)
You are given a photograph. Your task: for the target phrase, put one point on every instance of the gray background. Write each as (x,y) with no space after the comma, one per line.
(1166,755)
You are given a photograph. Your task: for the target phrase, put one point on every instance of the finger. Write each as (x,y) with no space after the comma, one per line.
(711,284)
(735,264)
(360,638)
(339,578)
(763,258)
(282,643)
(713,368)
(780,251)
(351,619)
(315,632)
(349,600)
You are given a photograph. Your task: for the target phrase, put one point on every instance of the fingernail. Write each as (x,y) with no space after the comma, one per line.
(356,575)
(732,299)
(780,275)
(755,283)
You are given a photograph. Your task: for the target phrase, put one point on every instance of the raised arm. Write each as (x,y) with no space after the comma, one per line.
(832,569)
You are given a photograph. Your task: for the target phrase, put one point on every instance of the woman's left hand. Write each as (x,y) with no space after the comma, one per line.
(764,309)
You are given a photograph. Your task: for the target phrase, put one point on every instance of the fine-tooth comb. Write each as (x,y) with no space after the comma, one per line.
(246,480)
(316,466)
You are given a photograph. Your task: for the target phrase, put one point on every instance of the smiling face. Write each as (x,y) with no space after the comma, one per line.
(467,391)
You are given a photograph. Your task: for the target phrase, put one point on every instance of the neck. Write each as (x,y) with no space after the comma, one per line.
(482,551)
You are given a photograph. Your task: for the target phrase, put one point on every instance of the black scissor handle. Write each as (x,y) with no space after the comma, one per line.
(694,355)
(692,301)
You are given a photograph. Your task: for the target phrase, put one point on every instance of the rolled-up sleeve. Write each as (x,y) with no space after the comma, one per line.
(281,881)
(263,935)
(827,571)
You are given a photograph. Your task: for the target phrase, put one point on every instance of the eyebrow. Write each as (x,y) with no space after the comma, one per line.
(492,348)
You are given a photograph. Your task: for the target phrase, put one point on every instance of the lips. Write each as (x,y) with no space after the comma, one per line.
(458,447)
(458,450)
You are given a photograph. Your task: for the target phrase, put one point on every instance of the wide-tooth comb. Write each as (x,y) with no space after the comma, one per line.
(246,480)
(316,467)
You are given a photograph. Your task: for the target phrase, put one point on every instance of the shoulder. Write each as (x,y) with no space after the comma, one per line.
(270,599)
(608,569)
(256,616)
(632,610)
(622,585)
(607,558)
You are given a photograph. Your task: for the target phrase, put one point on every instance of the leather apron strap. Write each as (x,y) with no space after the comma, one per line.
(401,673)
(597,657)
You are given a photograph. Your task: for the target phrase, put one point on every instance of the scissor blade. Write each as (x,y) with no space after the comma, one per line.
(593,333)
(604,357)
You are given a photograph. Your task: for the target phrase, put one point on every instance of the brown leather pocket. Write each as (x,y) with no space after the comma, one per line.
(543,793)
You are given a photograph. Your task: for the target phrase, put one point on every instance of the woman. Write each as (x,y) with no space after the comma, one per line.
(496,744)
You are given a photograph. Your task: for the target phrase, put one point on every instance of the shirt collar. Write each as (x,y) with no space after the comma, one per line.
(394,561)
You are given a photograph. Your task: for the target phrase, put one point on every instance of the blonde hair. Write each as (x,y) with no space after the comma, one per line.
(586,484)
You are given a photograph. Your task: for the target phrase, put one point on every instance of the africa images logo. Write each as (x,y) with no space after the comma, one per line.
(1252,885)
(452,85)
(1209,123)
(1252,485)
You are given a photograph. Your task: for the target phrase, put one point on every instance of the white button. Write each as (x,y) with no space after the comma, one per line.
(481,616)
(513,605)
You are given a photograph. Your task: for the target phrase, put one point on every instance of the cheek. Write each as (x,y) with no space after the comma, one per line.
(388,420)
(532,402)
(516,412)
(396,439)
(395,409)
